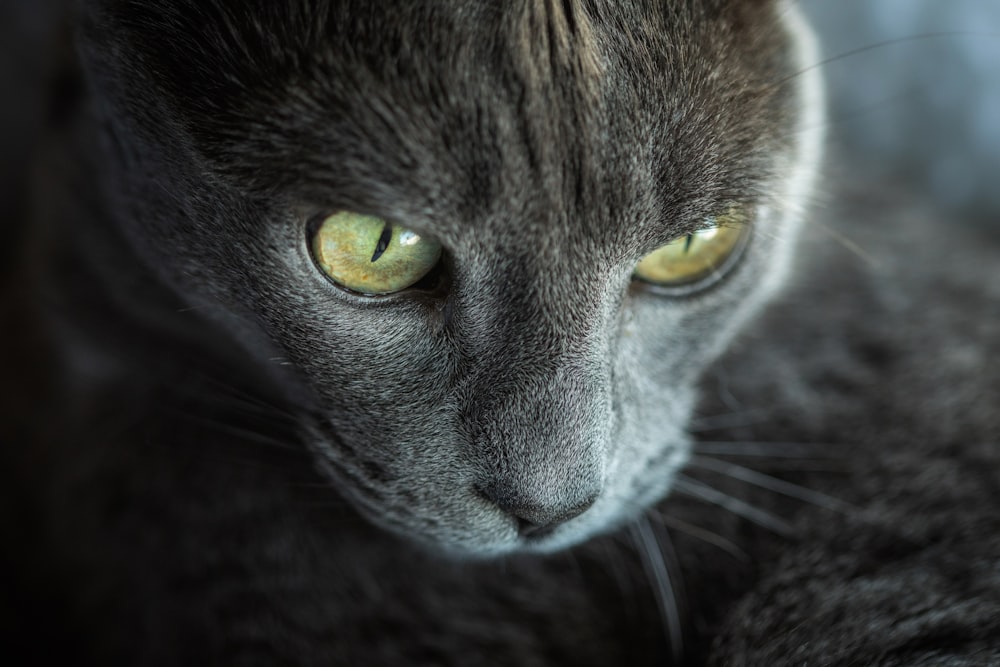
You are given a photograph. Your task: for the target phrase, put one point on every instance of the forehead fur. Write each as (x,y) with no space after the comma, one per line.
(455,106)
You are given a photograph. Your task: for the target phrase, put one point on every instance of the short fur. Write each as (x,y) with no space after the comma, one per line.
(227,460)
(539,159)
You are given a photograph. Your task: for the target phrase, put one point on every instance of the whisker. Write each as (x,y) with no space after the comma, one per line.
(774,484)
(853,114)
(707,536)
(345,510)
(620,573)
(269,468)
(727,420)
(845,242)
(324,485)
(241,397)
(882,45)
(792,450)
(741,508)
(723,391)
(654,564)
(245,435)
(672,564)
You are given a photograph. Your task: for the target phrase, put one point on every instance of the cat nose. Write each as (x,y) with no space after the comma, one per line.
(537,518)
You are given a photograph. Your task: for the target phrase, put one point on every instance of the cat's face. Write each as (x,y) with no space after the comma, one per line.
(531,392)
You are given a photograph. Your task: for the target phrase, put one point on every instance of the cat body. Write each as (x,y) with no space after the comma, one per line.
(232,461)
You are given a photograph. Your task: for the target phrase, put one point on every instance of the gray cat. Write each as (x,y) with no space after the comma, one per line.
(374,334)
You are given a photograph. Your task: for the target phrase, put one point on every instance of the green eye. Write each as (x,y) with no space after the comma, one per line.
(696,256)
(371,256)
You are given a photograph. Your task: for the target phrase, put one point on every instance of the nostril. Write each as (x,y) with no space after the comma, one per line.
(537,519)
(530,530)
(536,531)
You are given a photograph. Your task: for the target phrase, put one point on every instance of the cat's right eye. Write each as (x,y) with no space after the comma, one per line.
(371,256)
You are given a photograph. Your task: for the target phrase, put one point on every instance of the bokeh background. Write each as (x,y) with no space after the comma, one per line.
(915,95)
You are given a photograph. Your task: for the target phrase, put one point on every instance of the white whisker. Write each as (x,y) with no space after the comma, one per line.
(776,450)
(927,36)
(741,508)
(246,435)
(727,420)
(773,484)
(707,536)
(846,243)
(651,554)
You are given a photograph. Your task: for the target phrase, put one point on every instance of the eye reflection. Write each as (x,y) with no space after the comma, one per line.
(408,238)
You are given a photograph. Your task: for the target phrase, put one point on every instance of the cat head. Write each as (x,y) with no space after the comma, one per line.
(488,247)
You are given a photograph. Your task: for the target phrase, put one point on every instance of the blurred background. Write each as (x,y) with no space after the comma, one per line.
(915,95)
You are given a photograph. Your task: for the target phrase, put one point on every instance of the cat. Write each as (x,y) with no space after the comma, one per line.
(364,334)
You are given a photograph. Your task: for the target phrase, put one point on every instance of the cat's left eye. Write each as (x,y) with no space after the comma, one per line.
(698,257)
(370,255)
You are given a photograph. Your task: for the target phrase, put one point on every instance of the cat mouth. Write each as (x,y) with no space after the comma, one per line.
(471,530)
(452,514)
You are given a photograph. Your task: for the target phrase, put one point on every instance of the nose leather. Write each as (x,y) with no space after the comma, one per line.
(537,517)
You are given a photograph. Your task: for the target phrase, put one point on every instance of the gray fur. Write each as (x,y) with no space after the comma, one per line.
(541,380)
(214,456)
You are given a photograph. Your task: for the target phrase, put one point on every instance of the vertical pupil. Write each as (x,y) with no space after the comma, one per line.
(687,242)
(383,241)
